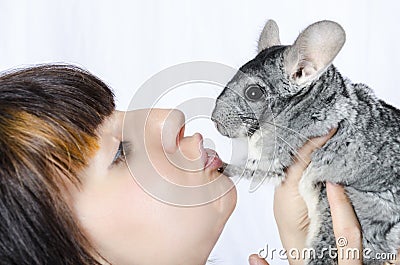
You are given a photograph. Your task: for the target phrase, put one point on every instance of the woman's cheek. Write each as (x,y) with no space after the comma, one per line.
(176,168)
(192,230)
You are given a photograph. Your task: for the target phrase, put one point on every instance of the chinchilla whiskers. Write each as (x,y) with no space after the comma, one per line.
(249,114)
(292,149)
(251,122)
(251,131)
(289,129)
(248,117)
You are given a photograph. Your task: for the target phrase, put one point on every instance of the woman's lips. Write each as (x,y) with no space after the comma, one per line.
(209,157)
(213,161)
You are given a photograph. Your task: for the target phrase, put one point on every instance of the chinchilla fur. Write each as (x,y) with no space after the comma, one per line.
(289,94)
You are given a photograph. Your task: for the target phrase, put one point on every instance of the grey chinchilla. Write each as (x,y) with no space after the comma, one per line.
(290,93)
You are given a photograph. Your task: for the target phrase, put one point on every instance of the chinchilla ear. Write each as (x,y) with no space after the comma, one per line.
(269,36)
(313,51)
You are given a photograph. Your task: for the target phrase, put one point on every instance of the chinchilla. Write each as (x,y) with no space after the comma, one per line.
(290,93)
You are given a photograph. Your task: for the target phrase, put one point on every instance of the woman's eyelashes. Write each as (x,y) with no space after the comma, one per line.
(122,152)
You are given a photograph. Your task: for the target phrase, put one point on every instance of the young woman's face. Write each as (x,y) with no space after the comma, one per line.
(165,204)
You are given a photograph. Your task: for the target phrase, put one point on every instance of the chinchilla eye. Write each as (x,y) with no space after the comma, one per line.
(254,92)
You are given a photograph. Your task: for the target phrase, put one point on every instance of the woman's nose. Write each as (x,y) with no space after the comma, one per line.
(155,127)
(160,126)
(160,132)
(182,152)
(171,125)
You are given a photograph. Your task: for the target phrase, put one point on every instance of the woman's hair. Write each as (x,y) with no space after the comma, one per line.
(48,120)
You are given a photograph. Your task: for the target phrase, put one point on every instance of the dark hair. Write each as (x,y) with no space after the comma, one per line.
(48,120)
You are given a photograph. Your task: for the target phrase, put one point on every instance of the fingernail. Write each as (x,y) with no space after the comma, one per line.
(254,260)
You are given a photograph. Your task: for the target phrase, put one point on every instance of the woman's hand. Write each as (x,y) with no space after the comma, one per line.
(291,211)
(254,259)
(345,224)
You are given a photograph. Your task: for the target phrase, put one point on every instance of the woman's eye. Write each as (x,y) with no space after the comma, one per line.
(120,155)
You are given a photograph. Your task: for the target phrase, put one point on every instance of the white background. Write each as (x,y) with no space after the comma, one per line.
(126,42)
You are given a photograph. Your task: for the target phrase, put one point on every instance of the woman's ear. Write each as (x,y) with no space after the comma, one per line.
(313,51)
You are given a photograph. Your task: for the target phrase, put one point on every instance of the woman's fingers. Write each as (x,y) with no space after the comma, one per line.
(345,225)
(290,210)
(303,157)
(397,260)
(254,259)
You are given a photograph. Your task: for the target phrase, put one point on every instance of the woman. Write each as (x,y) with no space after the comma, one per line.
(71,186)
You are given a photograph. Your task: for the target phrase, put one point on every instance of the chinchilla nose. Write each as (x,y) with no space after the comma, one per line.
(219,125)
(214,120)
